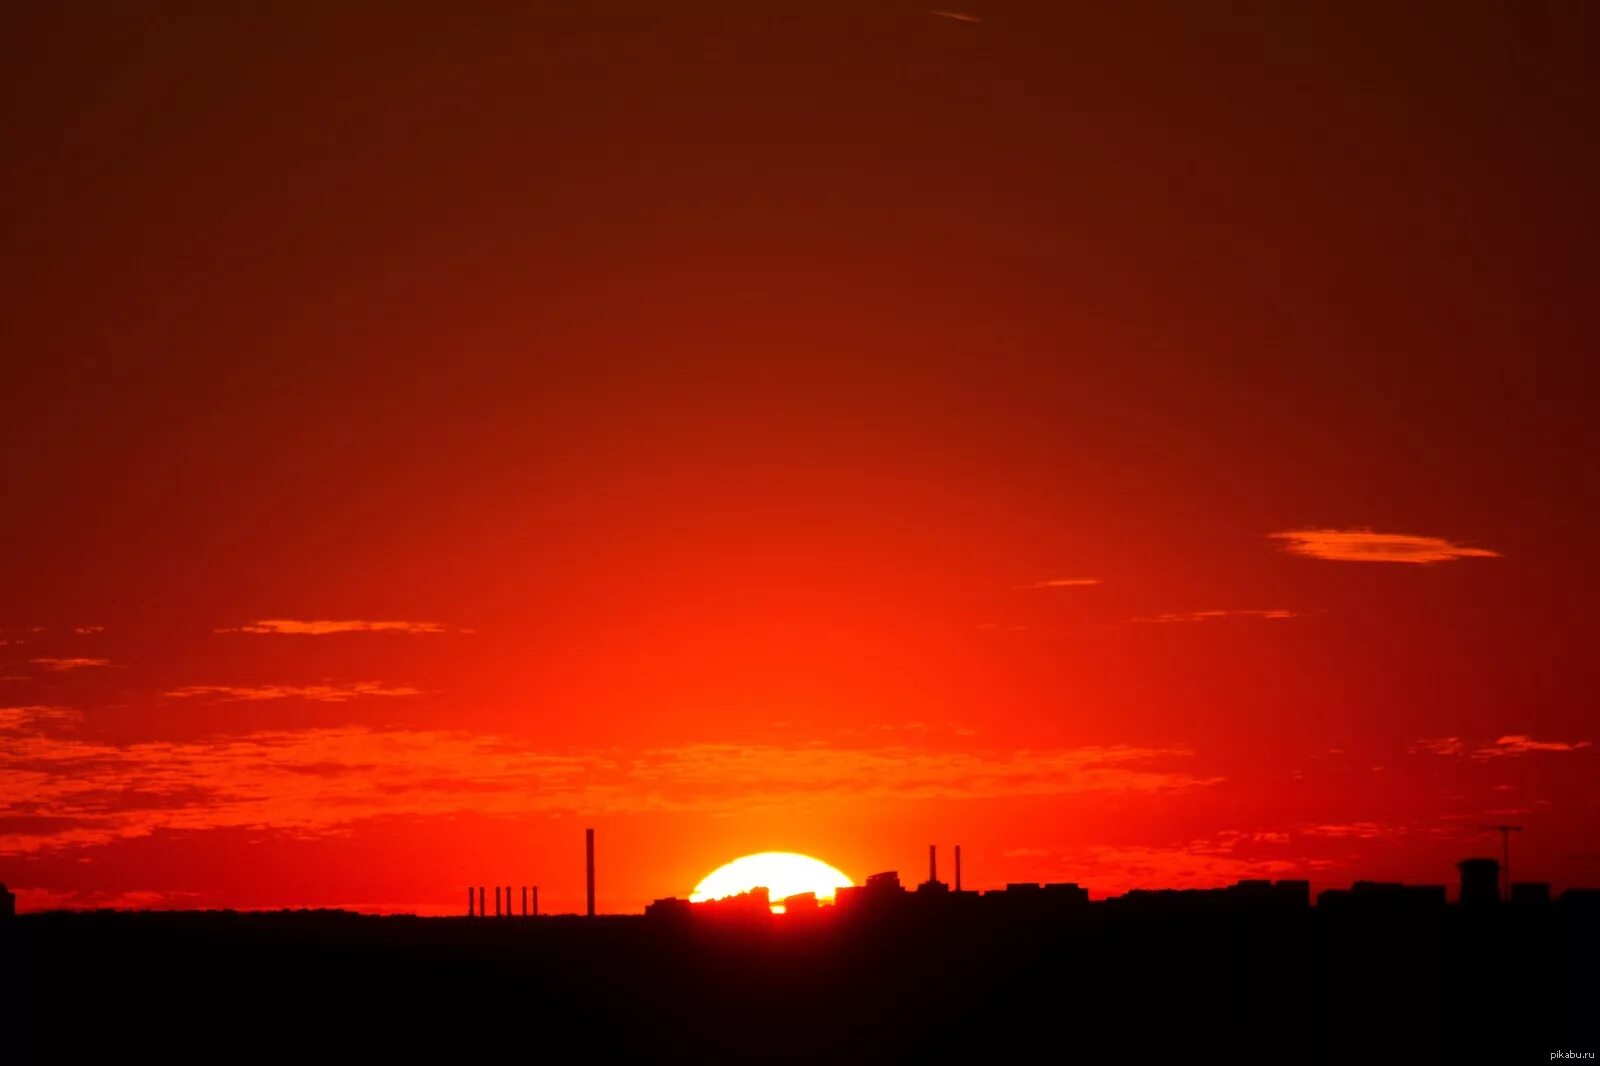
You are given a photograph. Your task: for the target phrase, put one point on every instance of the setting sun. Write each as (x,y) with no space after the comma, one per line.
(781,873)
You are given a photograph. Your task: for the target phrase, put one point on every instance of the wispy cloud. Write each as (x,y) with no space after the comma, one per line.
(1365,546)
(317,781)
(36,719)
(1351,830)
(321,693)
(1211,616)
(1515,744)
(324,626)
(959,16)
(84,631)
(69,664)
(1438,746)
(1061,583)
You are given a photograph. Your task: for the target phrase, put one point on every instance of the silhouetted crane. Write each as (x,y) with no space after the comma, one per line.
(1505,832)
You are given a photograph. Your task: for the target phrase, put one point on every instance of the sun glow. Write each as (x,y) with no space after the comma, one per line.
(781,873)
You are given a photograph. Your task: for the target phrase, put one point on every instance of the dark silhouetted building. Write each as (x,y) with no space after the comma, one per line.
(878,892)
(672,908)
(8,903)
(1480,882)
(1292,893)
(755,904)
(1066,892)
(1387,896)
(1531,894)
(1586,900)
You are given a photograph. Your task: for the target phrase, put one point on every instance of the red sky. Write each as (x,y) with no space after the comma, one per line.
(1146,447)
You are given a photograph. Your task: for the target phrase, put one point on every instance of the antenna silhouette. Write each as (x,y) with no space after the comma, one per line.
(1505,832)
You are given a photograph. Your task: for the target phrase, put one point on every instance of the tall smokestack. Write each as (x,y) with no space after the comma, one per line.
(958,867)
(497,901)
(933,863)
(588,847)
(524,901)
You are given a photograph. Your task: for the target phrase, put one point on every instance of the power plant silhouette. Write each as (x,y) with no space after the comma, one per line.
(1481,884)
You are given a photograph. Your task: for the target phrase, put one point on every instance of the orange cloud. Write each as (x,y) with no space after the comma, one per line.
(319,693)
(1523,745)
(323,626)
(33,718)
(1208,616)
(1061,583)
(69,664)
(1352,830)
(1515,744)
(84,631)
(1438,746)
(62,792)
(1365,546)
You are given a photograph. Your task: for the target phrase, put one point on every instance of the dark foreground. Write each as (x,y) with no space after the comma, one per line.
(1506,986)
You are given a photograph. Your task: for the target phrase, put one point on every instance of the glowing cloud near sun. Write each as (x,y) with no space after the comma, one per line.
(781,873)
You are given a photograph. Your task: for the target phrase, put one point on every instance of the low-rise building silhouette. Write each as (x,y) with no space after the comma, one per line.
(1530,894)
(1480,882)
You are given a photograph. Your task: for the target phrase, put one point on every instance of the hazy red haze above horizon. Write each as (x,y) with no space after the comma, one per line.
(1147,447)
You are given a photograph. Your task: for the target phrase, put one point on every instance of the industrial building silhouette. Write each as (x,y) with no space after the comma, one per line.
(1256,971)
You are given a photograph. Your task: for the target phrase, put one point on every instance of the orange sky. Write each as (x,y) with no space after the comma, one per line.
(1151,447)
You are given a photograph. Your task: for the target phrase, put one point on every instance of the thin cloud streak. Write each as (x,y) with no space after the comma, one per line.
(1061,583)
(1503,747)
(318,693)
(1214,615)
(1365,546)
(69,664)
(324,626)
